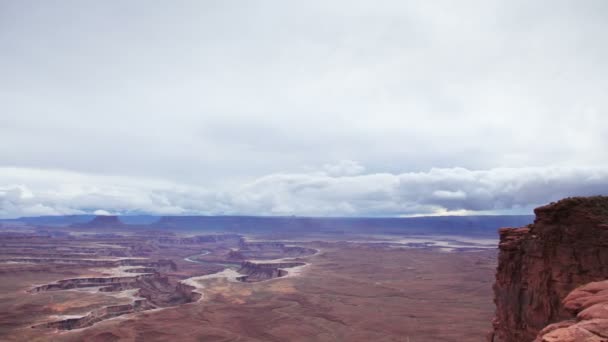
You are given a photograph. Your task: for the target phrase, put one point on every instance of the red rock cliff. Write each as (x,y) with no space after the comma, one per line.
(539,265)
(589,303)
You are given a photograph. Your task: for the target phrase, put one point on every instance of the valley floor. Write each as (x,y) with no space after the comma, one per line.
(347,291)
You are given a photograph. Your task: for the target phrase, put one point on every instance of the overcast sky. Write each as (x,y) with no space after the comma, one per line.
(337,107)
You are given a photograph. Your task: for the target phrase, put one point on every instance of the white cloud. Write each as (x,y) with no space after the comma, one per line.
(344,168)
(212,93)
(102,212)
(436,192)
(449,195)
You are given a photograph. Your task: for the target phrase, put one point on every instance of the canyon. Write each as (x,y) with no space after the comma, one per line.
(107,280)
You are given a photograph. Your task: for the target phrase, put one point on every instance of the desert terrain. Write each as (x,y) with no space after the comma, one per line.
(134,284)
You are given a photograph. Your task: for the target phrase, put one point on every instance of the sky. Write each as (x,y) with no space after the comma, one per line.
(316,108)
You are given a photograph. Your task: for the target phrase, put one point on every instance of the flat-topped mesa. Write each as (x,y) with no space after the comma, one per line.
(102,221)
(253,272)
(539,265)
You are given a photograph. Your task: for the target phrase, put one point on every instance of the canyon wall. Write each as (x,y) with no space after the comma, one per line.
(540,264)
(253,272)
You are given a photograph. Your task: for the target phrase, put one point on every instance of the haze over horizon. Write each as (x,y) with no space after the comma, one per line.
(344,108)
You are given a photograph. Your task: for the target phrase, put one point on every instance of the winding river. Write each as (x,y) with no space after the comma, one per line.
(193,258)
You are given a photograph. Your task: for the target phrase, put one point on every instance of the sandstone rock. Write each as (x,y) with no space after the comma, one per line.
(590,305)
(585,331)
(253,272)
(586,296)
(539,265)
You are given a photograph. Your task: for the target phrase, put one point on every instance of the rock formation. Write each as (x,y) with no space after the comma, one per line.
(254,272)
(153,290)
(539,265)
(590,305)
(97,315)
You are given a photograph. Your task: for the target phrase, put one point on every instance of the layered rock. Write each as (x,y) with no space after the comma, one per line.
(97,315)
(152,290)
(112,282)
(539,265)
(253,272)
(590,305)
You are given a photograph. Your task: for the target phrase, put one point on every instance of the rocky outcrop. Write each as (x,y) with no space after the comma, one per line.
(113,283)
(539,265)
(153,291)
(188,291)
(253,272)
(589,303)
(97,316)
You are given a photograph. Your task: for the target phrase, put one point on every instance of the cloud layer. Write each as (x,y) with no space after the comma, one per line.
(217,107)
(27,192)
(211,92)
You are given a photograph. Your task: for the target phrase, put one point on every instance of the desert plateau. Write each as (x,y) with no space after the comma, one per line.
(134,283)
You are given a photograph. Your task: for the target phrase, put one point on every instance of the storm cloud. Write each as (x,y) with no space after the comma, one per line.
(455,191)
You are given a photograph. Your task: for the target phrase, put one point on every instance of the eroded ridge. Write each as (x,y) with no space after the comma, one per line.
(152,290)
(124,273)
(254,272)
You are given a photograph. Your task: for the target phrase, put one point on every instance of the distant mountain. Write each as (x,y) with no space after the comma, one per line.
(448,225)
(51,220)
(456,225)
(101,222)
(66,220)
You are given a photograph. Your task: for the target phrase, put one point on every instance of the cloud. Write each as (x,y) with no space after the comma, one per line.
(211,92)
(440,191)
(449,195)
(428,107)
(344,168)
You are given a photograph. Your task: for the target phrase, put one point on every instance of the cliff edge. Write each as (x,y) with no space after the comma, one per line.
(540,264)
